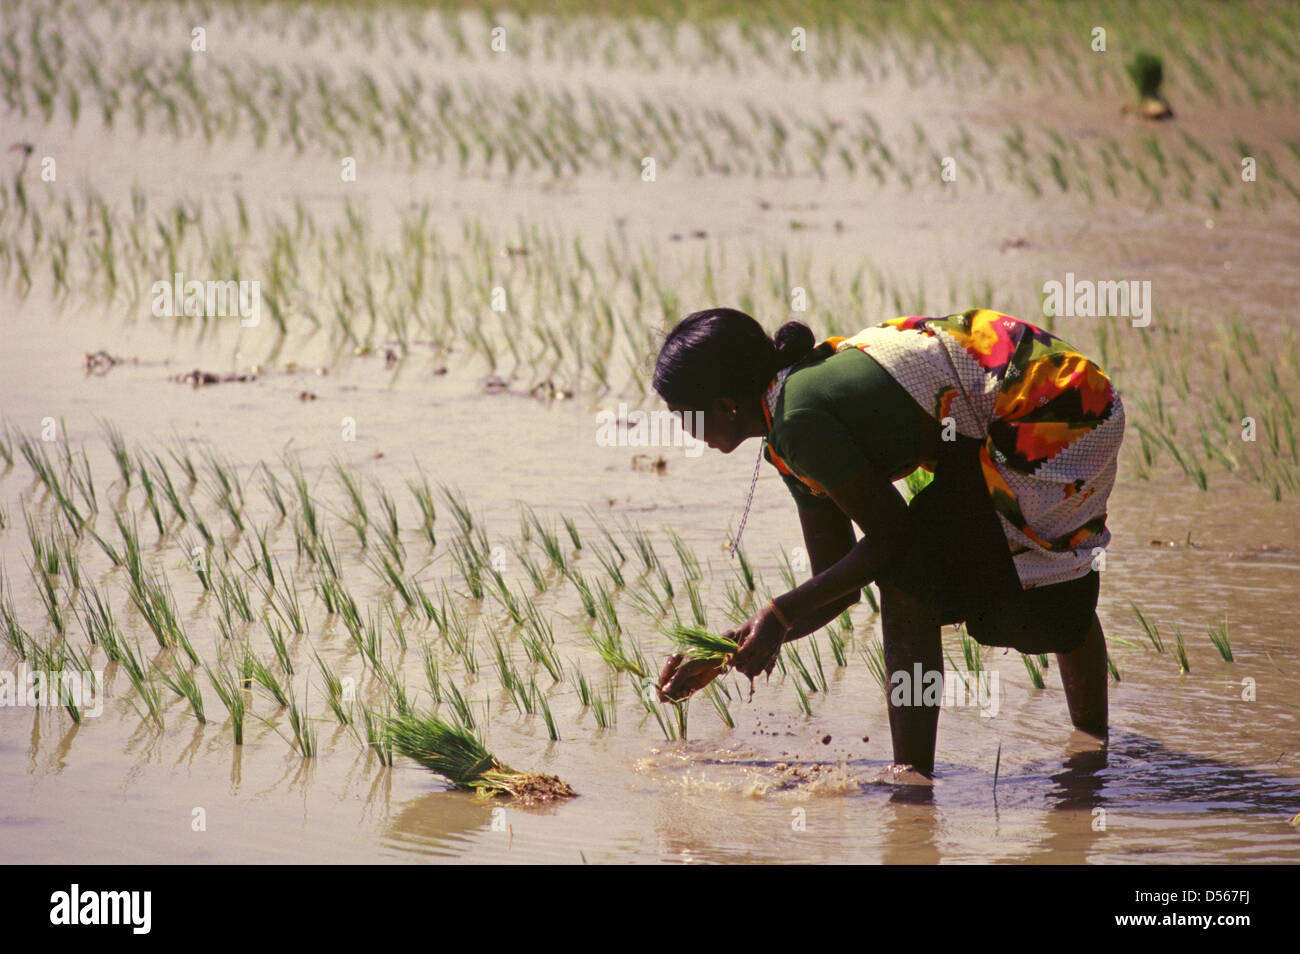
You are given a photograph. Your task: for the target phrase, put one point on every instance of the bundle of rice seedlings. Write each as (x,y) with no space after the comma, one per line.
(1146,71)
(696,643)
(458,755)
(699,645)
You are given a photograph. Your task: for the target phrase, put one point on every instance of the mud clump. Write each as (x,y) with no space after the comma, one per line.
(535,788)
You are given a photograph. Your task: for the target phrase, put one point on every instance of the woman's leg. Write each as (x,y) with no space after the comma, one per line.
(911,630)
(1083,673)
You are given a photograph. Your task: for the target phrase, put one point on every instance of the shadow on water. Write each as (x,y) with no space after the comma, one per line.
(1151,792)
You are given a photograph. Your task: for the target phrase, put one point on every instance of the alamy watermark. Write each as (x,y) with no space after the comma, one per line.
(1084,298)
(210,299)
(658,428)
(133,908)
(37,688)
(922,687)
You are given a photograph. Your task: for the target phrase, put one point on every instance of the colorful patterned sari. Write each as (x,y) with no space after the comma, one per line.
(1050,421)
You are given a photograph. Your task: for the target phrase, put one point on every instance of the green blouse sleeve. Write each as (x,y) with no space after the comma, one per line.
(814,444)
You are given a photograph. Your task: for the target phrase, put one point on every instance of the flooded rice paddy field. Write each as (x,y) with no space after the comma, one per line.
(393,480)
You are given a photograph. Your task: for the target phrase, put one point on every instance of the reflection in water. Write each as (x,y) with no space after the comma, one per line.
(441,823)
(1138,785)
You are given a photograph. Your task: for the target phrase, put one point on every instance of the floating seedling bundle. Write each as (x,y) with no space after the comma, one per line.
(458,755)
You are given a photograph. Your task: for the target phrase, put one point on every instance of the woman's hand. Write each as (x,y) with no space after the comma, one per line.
(681,677)
(760,638)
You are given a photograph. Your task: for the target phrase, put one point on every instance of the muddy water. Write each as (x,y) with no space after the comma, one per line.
(1194,771)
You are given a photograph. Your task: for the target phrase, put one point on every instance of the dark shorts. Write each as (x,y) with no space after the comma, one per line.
(957,561)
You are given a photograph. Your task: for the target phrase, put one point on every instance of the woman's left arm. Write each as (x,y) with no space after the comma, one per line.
(871,501)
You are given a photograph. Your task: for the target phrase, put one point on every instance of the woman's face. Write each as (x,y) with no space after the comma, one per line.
(721,424)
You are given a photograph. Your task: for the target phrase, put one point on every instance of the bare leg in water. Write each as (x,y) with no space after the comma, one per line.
(1083,674)
(911,631)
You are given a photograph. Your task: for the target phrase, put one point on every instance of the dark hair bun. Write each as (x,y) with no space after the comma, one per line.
(793,341)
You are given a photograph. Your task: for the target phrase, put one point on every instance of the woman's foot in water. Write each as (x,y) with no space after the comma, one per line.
(899,774)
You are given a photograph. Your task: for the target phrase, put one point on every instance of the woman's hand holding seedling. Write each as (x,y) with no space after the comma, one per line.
(703,658)
(760,638)
(682,677)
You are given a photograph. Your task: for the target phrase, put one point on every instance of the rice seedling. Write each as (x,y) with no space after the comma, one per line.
(306,506)
(609,645)
(232,594)
(801,669)
(141,675)
(803,699)
(874,655)
(157,605)
(70,665)
(151,500)
(696,601)
(1180,651)
(1149,627)
(817,659)
(304,733)
(1035,672)
(253,670)
(278,644)
(117,447)
(605,710)
(572,529)
(378,738)
(581,686)
(505,596)
(182,682)
(552,731)
(715,697)
(287,603)
(1111,665)
(838,647)
(1219,637)
(84,481)
(971,653)
(273,491)
(225,488)
(549,542)
(539,643)
(49,595)
(460,705)
(359,519)
(644,547)
(334,693)
(453,751)
(611,567)
(470,564)
(459,509)
(532,569)
(423,495)
(745,570)
(584,593)
(664,582)
(667,724)
(261,559)
(686,557)
(510,679)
